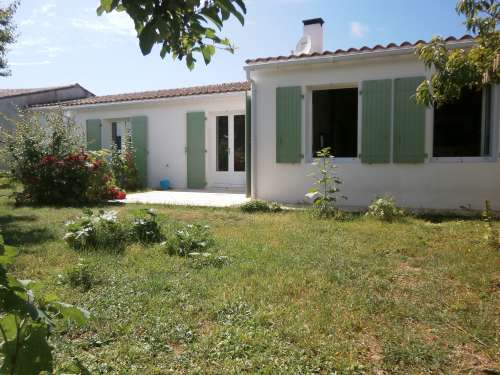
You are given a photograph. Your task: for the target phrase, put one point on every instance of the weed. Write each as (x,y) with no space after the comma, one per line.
(257,205)
(384,208)
(192,238)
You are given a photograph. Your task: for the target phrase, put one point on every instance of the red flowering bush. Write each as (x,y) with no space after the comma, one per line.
(53,167)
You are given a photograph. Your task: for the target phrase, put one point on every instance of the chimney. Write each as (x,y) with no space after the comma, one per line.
(314,29)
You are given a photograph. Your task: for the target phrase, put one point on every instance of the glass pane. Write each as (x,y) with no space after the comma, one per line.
(457,126)
(335,121)
(239,143)
(222,138)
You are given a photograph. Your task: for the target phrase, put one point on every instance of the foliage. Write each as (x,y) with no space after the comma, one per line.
(123,164)
(456,69)
(145,227)
(492,235)
(384,208)
(192,238)
(26,321)
(81,276)
(7,34)
(325,190)
(99,230)
(182,28)
(46,156)
(365,282)
(204,260)
(257,205)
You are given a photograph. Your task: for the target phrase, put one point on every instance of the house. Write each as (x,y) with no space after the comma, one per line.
(13,99)
(359,102)
(194,137)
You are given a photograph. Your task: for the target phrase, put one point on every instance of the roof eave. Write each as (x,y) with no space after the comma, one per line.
(141,101)
(346,56)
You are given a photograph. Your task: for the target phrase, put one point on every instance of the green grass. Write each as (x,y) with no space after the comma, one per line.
(299,295)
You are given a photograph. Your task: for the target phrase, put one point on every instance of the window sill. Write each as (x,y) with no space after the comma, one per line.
(337,160)
(468,159)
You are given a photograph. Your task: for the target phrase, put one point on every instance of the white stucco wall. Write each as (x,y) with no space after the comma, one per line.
(167,131)
(435,184)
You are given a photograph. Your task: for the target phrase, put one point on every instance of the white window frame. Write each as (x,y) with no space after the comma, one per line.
(494,117)
(309,157)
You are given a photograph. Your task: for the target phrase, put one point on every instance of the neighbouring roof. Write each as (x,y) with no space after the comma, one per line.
(7,93)
(352,51)
(159,94)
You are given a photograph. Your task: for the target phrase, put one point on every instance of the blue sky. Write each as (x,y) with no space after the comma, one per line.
(61,43)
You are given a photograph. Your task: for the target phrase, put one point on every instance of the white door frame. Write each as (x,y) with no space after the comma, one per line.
(229,178)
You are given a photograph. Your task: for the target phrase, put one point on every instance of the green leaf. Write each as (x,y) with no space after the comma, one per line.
(147,38)
(71,313)
(7,255)
(26,351)
(208,51)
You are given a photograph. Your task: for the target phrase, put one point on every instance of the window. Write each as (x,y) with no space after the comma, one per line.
(116,135)
(463,128)
(335,121)
(222,138)
(239,143)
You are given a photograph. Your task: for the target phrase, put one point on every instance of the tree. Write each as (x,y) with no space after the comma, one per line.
(472,68)
(181,27)
(7,35)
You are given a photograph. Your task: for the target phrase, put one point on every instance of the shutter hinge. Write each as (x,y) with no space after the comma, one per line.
(302,96)
(302,156)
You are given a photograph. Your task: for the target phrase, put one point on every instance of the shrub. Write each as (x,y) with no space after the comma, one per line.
(96,231)
(192,238)
(256,205)
(203,260)
(325,191)
(384,208)
(145,227)
(123,164)
(81,276)
(45,154)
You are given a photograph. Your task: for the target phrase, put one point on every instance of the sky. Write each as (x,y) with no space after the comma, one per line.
(63,41)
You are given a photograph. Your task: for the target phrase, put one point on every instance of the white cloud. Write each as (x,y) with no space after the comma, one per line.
(25,42)
(27,22)
(50,51)
(47,9)
(115,23)
(358,30)
(29,63)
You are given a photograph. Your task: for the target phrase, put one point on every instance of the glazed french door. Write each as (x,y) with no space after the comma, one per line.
(230,149)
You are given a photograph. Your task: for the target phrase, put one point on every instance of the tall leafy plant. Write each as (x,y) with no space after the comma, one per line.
(7,34)
(123,164)
(26,321)
(325,191)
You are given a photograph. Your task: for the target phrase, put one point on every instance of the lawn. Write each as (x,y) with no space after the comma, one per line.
(299,295)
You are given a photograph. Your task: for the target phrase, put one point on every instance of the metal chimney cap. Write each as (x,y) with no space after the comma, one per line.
(313,21)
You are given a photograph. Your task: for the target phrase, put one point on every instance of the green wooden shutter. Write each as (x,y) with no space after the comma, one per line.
(94,137)
(376,127)
(248,145)
(140,141)
(409,122)
(288,124)
(195,149)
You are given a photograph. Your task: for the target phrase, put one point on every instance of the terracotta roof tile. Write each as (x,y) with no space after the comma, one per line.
(351,50)
(160,94)
(6,93)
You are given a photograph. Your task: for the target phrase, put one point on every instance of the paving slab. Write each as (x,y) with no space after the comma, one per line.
(188,198)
